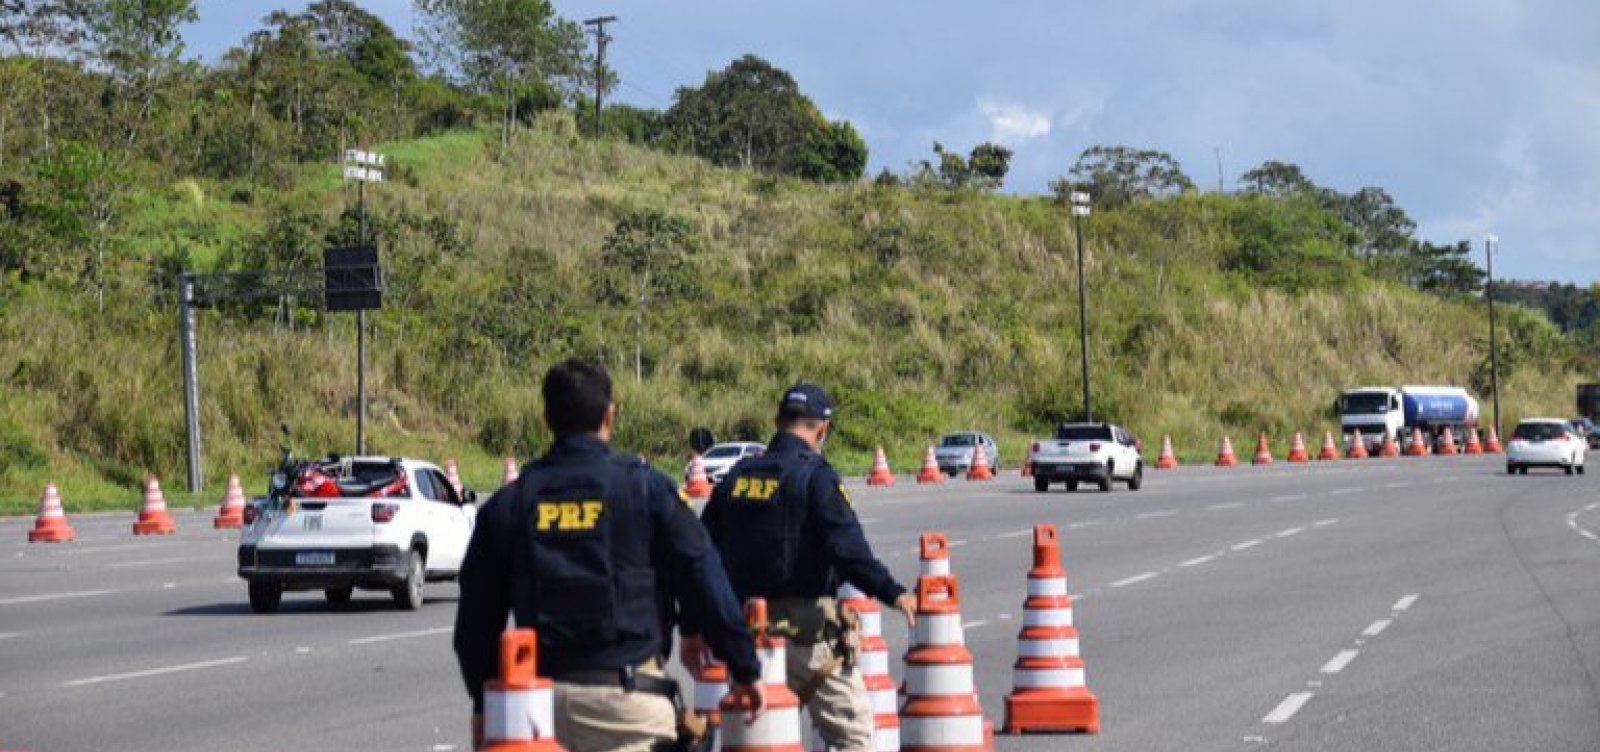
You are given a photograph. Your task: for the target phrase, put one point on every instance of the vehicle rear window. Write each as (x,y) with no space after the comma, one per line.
(722,452)
(958,440)
(1538,431)
(1083,433)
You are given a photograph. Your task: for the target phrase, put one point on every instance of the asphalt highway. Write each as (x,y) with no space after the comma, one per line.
(1410,604)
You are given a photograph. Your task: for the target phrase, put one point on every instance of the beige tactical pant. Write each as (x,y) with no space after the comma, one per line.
(610,719)
(841,710)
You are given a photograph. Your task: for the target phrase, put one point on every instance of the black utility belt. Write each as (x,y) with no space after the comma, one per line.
(628,679)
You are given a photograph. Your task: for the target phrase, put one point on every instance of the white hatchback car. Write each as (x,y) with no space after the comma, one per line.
(1545,442)
(719,459)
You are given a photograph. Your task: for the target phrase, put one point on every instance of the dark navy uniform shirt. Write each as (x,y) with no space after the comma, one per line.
(538,542)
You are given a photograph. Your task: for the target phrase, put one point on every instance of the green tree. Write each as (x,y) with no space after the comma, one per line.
(140,42)
(37,30)
(833,154)
(750,114)
(1293,245)
(1277,179)
(989,162)
(647,258)
(1444,268)
(78,205)
(1118,175)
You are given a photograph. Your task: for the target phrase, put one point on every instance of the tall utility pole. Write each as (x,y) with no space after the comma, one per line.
(191,379)
(1489,243)
(1080,209)
(601,38)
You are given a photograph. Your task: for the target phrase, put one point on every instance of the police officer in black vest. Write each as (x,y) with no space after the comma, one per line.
(787,532)
(597,553)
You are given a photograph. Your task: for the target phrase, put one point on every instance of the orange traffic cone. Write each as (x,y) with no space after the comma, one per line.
(1027,466)
(933,555)
(1263,452)
(1416,448)
(1167,460)
(1447,443)
(1358,447)
(510,474)
(778,728)
(930,472)
(153,517)
(1473,447)
(1225,456)
(51,525)
(698,485)
(979,470)
(1492,445)
(1048,692)
(1297,449)
(1330,451)
(518,706)
(874,667)
(941,711)
(1390,447)
(231,513)
(710,686)
(881,474)
(453,475)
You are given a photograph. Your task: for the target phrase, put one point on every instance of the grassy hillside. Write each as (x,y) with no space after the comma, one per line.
(921,310)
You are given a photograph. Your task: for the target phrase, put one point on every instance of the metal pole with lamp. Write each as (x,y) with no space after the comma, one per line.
(1080,209)
(1489,243)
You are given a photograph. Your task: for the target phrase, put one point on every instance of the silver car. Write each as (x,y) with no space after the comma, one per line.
(954,451)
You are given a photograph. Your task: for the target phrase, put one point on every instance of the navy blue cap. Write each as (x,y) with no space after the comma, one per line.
(805,400)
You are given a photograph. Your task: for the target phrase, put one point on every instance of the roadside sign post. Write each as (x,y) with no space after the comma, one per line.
(1080,209)
(363,167)
(1489,244)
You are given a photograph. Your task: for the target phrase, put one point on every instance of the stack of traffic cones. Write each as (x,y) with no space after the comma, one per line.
(1330,451)
(1416,448)
(1390,447)
(881,474)
(153,517)
(934,553)
(51,525)
(452,474)
(698,485)
(231,513)
(1492,446)
(979,470)
(1473,447)
(1297,450)
(519,707)
(941,711)
(930,472)
(1167,460)
(874,667)
(1358,447)
(1263,452)
(1225,455)
(778,728)
(510,474)
(1049,692)
(1447,443)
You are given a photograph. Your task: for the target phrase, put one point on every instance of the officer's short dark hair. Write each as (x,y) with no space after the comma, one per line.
(576,395)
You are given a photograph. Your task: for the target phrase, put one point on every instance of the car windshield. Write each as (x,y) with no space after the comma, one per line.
(956,440)
(1083,433)
(1366,402)
(722,453)
(1539,431)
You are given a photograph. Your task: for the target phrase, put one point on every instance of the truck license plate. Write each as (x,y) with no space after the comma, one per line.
(314,559)
(311,522)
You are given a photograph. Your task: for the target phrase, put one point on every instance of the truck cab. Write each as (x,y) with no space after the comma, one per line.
(1375,411)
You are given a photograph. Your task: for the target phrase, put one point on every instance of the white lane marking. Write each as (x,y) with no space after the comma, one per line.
(975,623)
(1446,479)
(155,671)
(1135,578)
(1162,513)
(146,563)
(1406,602)
(1290,497)
(8,635)
(1252,543)
(1346,491)
(868,520)
(1589,535)
(444,748)
(1014,534)
(1325,523)
(1398,484)
(1229,505)
(1376,628)
(1340,661)
(1085,523)
(1290,531)
(1286,709)
(1197,561)
(958,543)
(401,635)
(18,600)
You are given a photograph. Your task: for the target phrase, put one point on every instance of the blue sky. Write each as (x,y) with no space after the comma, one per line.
(1476,115)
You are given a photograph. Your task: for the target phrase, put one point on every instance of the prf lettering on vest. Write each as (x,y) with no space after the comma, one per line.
(568,515)
(755,489)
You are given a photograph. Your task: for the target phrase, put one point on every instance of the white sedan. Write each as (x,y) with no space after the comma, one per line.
(719,459)
(1545,442)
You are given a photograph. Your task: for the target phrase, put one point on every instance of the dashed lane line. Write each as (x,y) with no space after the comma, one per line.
(1014,534)
(155,671)
(1252,543)
(1405,603)
(147,563)
(1290,497)
(401,635)
(22,599)
(1154,515)
(1325,523)
(1198,560)
(1220,507)
(1398,484)
(1376,628)
(1340,661)
(1085,523)
(1346,491)
(975,623)
(1291,531)
(1286,709)
(1135,579)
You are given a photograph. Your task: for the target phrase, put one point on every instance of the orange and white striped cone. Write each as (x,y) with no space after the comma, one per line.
(1049,693)
(1167,460)
(979,469)
(1390,447)
(510,474)
(1416,448)
(1297,449)
(1263,454)
(941,711)
(51,525)
(930,472)
(933,551)
(453,474)
(231,513)
(1492,444)
(881,474)
(519,707)
(153,517)
(874,667)
(1447,443)
(1027,467)
(1473,445)
(1358,447)
(1330,451)
(778,727)
(710,686)
(1225,455)
(698,485)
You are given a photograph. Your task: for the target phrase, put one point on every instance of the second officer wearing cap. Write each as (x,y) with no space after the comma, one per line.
(787,533)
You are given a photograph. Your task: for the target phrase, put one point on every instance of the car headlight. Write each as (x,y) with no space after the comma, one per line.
(279,481)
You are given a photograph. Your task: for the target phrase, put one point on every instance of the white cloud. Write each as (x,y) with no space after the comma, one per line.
(1014,123)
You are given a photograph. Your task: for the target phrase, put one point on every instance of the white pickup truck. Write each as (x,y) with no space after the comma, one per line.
(1098,453)
(360,522)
